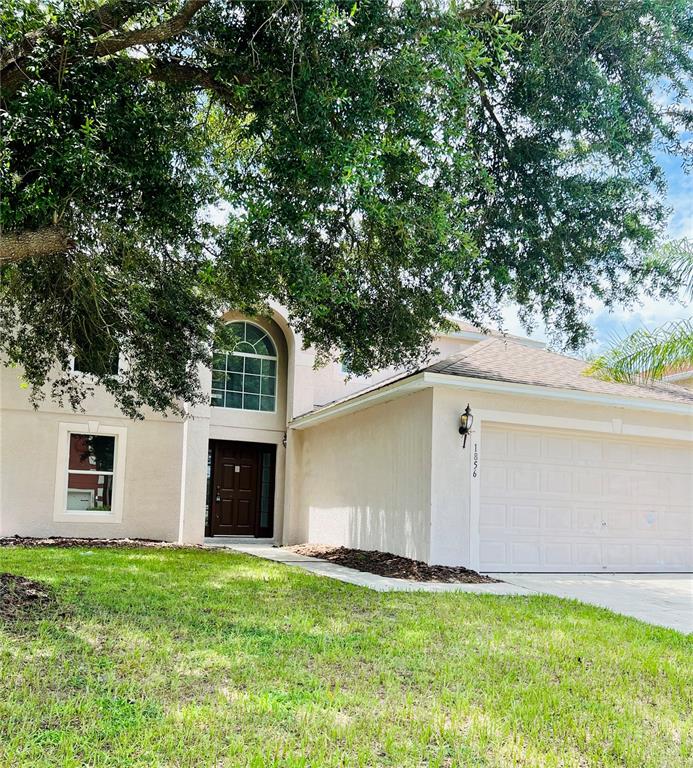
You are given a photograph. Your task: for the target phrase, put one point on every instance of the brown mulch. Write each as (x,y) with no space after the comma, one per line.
(20,597)
(64,541)
(386,564)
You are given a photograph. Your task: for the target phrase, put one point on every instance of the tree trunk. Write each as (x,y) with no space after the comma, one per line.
(18,246)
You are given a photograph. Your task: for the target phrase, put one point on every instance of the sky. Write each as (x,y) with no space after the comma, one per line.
(649,312)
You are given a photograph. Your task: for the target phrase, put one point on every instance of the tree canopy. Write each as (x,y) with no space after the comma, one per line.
(374,166)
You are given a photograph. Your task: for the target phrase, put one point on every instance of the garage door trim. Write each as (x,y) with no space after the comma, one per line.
(613,427)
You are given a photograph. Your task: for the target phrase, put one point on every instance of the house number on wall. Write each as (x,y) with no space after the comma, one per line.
(475,471)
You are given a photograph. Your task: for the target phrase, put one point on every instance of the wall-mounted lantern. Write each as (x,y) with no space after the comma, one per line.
(466,421)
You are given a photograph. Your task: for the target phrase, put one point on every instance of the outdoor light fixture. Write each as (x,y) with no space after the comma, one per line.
(466,421)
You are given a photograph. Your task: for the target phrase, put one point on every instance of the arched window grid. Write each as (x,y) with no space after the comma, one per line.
(245,377)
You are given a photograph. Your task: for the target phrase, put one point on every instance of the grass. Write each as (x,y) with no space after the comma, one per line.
(204,658)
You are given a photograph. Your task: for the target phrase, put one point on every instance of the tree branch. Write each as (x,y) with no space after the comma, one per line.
(103,19)
(195,77)
(487,8)
(167,29)
(18,246)
(488,108)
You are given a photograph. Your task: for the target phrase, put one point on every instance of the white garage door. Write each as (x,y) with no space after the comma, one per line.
(553,500)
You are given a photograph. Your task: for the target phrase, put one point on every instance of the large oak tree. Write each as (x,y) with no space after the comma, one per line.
(372,165)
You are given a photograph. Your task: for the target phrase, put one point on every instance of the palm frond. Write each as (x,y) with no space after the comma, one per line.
(647,355)
(677,258)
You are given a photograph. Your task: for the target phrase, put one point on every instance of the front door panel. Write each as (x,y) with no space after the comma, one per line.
(235,489)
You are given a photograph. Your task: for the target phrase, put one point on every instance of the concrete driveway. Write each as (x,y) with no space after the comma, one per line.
(665,599)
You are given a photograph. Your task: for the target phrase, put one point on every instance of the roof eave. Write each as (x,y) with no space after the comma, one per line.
(426,379)
(557,393)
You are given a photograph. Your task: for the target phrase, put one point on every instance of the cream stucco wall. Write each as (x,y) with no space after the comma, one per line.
(29,455)
(391,474)
(364,479)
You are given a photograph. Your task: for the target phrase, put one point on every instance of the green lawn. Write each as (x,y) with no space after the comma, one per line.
(203,658)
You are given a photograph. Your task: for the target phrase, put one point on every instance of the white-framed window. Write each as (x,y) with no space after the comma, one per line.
(111,366)
(90,472)
(245,377)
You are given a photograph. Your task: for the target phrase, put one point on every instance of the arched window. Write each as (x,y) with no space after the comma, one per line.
(245,377)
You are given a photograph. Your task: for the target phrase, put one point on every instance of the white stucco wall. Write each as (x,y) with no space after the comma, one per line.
(29,455)
(391,473)
(165,461)
(364,480)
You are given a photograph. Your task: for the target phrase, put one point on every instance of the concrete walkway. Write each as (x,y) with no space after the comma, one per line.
(664,599)
(359,578)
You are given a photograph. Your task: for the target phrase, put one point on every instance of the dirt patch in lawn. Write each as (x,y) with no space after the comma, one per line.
(394,566)
(64,541)
(20,597)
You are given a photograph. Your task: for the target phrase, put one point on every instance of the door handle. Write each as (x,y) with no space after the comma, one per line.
(218,497)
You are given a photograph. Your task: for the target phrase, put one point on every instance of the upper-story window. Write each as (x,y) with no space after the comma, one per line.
(98,362)
(245,377)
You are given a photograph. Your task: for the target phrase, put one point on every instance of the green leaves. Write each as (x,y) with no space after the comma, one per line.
(379,167)
(647,355)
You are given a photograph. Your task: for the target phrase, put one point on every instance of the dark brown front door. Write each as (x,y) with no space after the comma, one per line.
(240,491)
(234,505)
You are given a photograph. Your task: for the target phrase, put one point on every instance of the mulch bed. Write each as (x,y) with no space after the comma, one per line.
(20,597)
(386,564)
(64,541)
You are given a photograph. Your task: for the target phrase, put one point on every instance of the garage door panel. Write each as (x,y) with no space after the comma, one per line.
(557,553)
(618,453)
(497,477)
(588,519)
(523,516)
(524,479)
(679,487)
(556,500)
(588,484)
(647,555)
(588,555)
(526,554)
(618,483)
(493,515)
(619,555)
(557,518)
(525,444)
(621,520)
(674,523)
(650,487)
(556,480)
(558,449)
(675,557)
(496,445)
(587,450)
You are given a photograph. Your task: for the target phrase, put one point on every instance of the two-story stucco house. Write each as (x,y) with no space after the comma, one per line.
(560,472)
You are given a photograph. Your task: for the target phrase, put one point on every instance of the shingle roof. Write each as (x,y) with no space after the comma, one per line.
(500,359)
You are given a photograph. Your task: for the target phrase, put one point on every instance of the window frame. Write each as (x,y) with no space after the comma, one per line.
(62,472)
(93,376)
(254,356)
